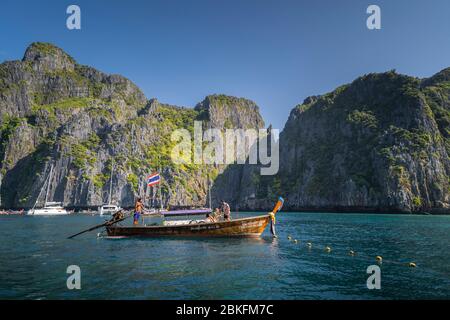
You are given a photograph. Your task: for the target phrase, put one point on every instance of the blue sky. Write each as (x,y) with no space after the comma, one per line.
(274,52)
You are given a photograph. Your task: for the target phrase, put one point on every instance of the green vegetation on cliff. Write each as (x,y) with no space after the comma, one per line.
(380,142)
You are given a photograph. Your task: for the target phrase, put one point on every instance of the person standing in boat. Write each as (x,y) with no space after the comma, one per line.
(226,211)
(138,208)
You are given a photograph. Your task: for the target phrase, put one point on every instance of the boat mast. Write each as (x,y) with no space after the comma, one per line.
(1,177)
(48,184)
(110,182)
(39,195)
(209,178)
(209,192)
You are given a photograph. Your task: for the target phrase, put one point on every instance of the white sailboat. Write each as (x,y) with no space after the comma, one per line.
(109,209)
(50,208)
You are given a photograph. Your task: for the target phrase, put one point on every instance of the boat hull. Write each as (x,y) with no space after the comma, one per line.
(108,211)
(47,212)
(244,227)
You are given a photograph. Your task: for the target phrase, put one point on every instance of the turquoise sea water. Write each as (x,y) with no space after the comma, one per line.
(34,255)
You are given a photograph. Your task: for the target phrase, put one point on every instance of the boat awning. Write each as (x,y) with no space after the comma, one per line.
(185,212)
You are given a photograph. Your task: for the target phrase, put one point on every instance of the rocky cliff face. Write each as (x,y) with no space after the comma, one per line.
(379,143)
(89,124)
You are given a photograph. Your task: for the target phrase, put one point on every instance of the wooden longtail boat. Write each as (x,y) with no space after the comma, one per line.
(243,227)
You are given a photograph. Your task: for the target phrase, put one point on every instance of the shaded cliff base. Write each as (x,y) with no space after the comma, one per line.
(361,210)
(309,209)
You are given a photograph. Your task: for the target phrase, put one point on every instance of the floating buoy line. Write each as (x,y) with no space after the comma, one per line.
(353,255)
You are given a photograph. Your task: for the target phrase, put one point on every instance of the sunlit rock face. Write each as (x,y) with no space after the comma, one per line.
(90,125)
(380,143)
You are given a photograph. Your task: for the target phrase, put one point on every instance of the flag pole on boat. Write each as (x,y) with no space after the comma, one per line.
(161,206)
(160,183)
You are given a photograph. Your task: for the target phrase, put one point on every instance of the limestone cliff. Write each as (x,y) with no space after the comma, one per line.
(380,143)
(53,110)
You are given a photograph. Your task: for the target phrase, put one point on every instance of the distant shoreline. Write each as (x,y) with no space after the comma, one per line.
(359,210)
(335,210)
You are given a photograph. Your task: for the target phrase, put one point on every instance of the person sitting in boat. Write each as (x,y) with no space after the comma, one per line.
(216,214)
(226,211)
(138,208)
(210,218)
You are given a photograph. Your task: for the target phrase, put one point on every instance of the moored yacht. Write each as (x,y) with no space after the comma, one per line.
(108,209)
(50,208)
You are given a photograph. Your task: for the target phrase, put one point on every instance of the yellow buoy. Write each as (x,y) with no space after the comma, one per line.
(412,265)
(327,249)
(379,259)
(351,252)
(289,237)
(295,241)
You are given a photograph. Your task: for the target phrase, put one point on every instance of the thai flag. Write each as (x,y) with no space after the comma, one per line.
(153,179)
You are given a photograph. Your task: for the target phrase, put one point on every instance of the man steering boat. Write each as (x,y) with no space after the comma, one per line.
(138,209)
